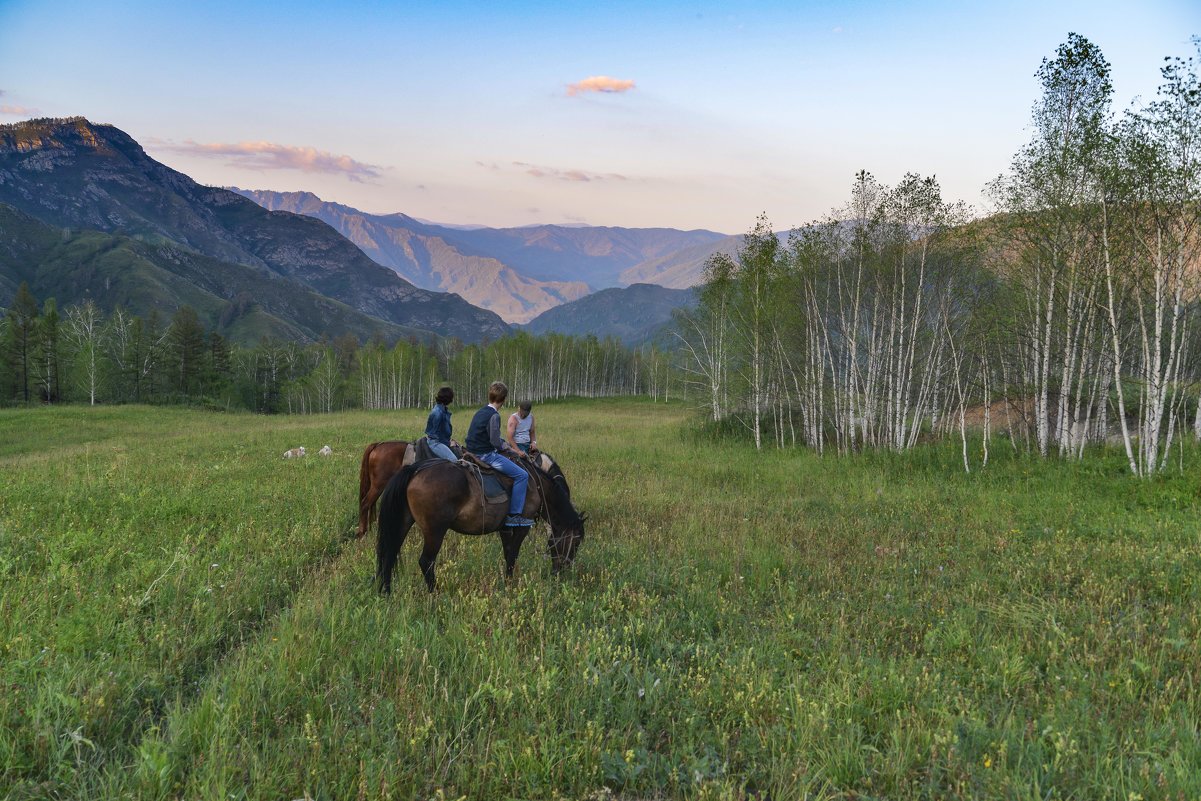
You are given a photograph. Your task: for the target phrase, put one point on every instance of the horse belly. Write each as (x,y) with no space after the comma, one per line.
(477,518)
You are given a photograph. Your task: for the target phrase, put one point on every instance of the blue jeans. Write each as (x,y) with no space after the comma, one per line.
(520,479)
(442,450)
(524,446)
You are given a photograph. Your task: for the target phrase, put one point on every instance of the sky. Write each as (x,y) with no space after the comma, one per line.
(638,114)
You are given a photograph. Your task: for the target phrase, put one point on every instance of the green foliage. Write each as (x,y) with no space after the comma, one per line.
(115,270)
(184,617)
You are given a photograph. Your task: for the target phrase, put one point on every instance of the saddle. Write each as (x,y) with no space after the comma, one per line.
(419,451)
(496,485)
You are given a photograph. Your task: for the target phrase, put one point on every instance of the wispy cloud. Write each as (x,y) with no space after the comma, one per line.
(274,156)
(599,83)
(567,175)
(19,111)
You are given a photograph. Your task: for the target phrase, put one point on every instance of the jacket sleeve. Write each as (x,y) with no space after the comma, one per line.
(494,433)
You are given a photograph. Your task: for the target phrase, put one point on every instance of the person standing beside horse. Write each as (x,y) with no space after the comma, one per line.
(438,428)
(521,434)
(484,441)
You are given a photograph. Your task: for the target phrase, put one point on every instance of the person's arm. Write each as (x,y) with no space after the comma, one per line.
(512,431)
(533,433)
(494,435)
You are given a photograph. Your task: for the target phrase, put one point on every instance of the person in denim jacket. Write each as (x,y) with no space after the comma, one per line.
(438,428)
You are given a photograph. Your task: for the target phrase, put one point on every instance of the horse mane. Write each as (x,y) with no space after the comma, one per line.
(561,506)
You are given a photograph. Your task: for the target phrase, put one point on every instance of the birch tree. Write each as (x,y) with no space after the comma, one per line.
(1050,201)
(86,331)
(1152,212)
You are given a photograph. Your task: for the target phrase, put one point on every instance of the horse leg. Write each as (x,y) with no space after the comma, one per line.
(365,483)
(433,544)
(367,508)
(511,539)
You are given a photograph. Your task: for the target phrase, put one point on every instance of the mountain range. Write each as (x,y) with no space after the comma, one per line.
(86,213)
(516,272)
(72,174)
(422,254)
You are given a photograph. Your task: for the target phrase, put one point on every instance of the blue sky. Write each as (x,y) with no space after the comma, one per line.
(462,112)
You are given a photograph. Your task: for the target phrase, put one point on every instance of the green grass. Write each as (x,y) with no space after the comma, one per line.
(184,616)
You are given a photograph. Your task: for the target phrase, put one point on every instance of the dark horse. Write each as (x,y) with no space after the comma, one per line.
(439,496)
(381,461)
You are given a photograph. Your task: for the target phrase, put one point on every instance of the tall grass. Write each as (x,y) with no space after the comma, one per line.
(183,616)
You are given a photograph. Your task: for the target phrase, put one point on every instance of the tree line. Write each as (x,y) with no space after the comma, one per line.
(1065,319)
(82,355)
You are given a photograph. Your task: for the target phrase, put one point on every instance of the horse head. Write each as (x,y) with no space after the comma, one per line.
(566,524)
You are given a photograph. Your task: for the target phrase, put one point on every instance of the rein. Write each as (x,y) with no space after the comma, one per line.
(543,510)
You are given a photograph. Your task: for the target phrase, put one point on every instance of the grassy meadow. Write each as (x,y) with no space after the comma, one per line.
(185,615)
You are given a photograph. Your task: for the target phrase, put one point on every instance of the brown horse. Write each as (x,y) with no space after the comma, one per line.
(439,495)
(381,461)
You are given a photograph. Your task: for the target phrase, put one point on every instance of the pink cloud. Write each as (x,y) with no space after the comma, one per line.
(273,156)
(599,83)
(568,175)
(19,111)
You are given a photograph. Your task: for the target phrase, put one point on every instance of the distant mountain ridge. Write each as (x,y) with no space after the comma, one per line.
(633,314)
(72,174)
(548,255)
(422,254)
(597,255)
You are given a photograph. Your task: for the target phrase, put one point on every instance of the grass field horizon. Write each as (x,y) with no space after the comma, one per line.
(186,615)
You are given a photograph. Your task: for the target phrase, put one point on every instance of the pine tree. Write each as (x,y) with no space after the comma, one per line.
(23,316)
(187,348)
(46,362)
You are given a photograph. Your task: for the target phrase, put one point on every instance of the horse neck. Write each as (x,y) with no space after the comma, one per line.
(559,510)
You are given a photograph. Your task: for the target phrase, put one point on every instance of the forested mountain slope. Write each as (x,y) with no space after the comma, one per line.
(72,174)
(632,314)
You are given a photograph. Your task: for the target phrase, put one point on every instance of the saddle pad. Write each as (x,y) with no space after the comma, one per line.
(421,449)
(494,491)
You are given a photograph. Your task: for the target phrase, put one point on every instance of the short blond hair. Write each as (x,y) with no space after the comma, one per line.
(497,392)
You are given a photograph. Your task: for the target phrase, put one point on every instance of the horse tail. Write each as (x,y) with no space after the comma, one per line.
(365,474)
(393,511)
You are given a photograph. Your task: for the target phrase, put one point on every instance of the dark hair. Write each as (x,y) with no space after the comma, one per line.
(497,392)
(525,406)
(444,396)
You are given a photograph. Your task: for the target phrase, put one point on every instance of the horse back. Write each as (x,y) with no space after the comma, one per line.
(446,494)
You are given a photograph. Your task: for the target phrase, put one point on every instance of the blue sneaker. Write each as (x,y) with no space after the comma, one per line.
(518,520)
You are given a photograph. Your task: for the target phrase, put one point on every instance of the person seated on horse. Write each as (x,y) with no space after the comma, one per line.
(438,428)
(484,441)
(521,428)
